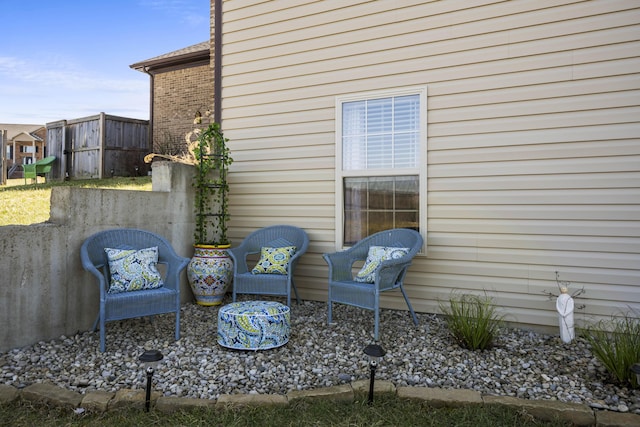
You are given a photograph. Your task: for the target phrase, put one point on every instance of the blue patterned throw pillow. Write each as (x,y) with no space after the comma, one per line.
(133,270)
(375,256)
(274,260)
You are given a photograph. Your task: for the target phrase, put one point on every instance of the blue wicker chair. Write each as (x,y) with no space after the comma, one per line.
(388,275)
(275,236)
(127,305)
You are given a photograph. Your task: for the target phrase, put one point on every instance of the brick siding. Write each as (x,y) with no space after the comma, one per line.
(179,94)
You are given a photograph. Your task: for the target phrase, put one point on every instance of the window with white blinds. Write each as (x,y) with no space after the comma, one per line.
(381,164)
(381,133)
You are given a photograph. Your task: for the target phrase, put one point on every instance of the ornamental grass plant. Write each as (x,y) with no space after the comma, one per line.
(472,319)
(616,344)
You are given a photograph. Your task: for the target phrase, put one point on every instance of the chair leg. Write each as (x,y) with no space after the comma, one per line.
(376,327)
(100,320)
(406,298)
(293,285)
(102,335)
(329,312)
(178,324)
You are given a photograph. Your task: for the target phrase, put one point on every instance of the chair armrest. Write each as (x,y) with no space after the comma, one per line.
(93,269)
(391,272)
(340,265)
(175,264)
(239,257)
(297,254)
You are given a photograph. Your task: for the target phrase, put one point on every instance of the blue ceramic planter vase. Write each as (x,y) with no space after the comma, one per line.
(210,272)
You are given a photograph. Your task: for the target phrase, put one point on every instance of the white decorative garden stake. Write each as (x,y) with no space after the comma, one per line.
(564,305)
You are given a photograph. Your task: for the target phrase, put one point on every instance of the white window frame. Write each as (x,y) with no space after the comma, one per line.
(420,170)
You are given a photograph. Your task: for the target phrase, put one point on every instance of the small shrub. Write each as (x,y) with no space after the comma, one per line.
(473,320)
(616,344)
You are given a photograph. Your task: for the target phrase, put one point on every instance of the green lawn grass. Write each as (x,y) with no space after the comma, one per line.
(387,410)
(22,204)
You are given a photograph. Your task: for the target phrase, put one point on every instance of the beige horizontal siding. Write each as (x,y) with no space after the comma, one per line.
(407,42)
(558,150)
(523,55)
(592,165)
(605,132)
(533,138)
(545,92)
(608,180)
(560,228)
(504,241)
(534,211)
(557,107)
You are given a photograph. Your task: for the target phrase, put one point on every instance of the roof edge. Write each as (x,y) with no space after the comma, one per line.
(197,52)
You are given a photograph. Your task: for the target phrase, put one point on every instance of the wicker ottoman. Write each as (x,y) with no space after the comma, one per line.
(253,325)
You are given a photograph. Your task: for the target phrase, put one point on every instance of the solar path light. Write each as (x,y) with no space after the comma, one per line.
(374,352)
(150,358)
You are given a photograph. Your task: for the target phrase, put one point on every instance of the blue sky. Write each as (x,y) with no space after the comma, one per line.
(63,60)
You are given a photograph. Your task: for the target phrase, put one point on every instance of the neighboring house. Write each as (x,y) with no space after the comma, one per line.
(25,144)
(509,132)
(181,86)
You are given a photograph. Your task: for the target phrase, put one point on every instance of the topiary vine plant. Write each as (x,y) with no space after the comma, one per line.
(210,269)
(212,189)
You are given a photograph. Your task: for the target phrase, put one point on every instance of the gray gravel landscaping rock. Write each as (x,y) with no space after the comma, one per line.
(521,364)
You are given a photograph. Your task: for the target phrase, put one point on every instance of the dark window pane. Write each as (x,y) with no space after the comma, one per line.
(406,192)
(355,194)
(355,226)
(407,220)
(379,220)
(380,193)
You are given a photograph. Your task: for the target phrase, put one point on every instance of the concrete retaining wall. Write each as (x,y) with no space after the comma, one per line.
(44,291)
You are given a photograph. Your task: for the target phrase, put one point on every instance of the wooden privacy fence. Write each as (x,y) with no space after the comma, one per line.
(99,146)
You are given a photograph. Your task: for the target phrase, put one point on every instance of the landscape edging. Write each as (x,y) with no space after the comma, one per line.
(101,401)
